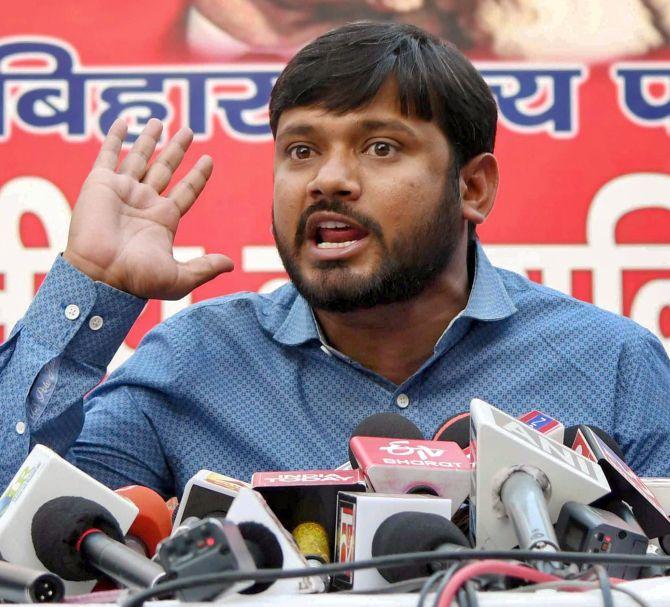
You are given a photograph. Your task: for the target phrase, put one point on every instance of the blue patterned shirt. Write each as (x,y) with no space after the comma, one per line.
(243,383)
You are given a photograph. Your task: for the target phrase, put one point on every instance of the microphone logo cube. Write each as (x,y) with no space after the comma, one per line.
(414,466)
(503,444)
(45,476)
(359,515)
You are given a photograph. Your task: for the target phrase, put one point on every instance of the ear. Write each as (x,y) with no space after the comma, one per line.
(479,184)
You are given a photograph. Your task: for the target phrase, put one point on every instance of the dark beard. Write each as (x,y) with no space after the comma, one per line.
(409,265)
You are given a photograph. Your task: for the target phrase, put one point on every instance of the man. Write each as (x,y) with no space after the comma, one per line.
(383,167)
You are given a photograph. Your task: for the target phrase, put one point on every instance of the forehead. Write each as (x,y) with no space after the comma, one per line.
(383,109)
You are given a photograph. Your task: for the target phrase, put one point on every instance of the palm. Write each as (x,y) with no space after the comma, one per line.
(123,229)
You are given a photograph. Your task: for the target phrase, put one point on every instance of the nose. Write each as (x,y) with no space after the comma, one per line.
(337,177)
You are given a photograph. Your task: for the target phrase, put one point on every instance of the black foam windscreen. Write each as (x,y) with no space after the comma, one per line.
(455,429)
(264,548)
(571,432)
(385,425)
(414,532)
(56,529)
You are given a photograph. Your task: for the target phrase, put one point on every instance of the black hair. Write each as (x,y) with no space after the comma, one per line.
(344,69)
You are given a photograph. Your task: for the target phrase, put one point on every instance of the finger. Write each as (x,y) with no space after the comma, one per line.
(161,170)
(108,157)
(198,271)
(188,189)
(135,163)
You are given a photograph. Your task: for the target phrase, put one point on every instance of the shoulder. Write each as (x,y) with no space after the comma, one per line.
(211,333)
(222,323)
(248,309)
(556,313)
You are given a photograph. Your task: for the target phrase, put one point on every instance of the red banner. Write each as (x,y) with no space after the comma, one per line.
(583,91)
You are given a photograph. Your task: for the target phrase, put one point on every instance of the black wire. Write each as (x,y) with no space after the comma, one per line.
(444,581)
(430,582)
(395,560)
(471,593)
(440,588)
(410,585)
(581,575)
(605,586)
(461,598)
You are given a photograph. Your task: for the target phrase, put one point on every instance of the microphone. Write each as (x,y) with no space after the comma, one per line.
(582,528)
(410,466)
(625,484)
(457,428)
(522,478)
(44,476)
(660,487)
(304,501)
(208,494)
(579,443)
(384,425)
(201,546)
(544,424)
(361,515)
(407,532)
(153,522)
(253,515)
(20,584)
(79,539)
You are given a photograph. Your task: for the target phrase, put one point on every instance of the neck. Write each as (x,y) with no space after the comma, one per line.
(394,340)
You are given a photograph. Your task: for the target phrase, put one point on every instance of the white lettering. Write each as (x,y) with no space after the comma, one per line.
(551,447)
(310,478)
(420,462)
(403,447)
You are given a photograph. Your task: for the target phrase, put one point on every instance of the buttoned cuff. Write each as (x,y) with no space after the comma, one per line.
(84,319)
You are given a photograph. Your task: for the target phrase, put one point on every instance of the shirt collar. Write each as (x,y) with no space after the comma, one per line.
(299,326)
(488,301)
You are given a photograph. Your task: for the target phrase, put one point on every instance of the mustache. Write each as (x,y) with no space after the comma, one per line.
(336,205)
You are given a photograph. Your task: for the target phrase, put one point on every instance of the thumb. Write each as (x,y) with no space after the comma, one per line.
(198,271)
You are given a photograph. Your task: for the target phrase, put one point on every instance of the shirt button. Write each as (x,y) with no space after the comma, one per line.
(95,323)
(20,427)
(72,312)
(402,401)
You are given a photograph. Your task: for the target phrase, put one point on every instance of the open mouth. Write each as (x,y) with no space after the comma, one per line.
(337,235)
(333,231)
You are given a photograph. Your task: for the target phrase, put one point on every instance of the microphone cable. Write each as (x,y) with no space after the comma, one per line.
(263,575)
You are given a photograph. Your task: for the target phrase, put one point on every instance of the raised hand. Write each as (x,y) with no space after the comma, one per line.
(123,228)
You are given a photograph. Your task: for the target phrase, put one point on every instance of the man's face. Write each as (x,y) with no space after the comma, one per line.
(366,206)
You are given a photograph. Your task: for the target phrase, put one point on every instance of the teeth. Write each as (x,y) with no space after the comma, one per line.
(333,224)
(334,245)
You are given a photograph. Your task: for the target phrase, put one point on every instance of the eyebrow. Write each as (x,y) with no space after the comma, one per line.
(394,125)
(297,130)
(304,129)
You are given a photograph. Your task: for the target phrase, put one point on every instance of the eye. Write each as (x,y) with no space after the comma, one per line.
(300,152)
(381,149)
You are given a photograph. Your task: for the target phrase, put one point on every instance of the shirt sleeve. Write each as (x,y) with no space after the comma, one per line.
(642,408)
(125,417)
(55,354)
